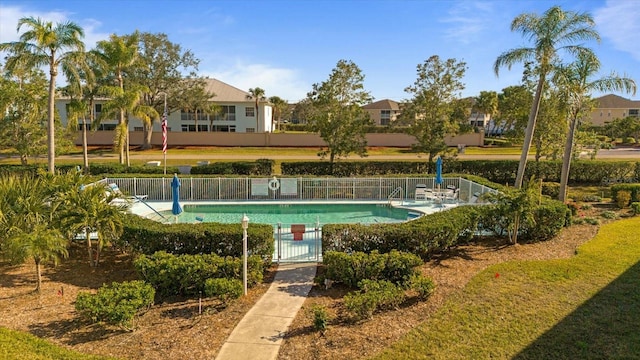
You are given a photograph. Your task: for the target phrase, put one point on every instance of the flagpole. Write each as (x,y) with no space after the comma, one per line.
(164,133)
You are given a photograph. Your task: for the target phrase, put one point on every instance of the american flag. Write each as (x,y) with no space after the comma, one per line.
(164,130)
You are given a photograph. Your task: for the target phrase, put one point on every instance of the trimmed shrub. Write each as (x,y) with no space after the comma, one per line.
(551,189)
(186,274)
(116,304)
(623,198)
(373,296)
(635,208)
(422,285)
(320,318)
(633,189)
(224,289)
(350,269)
(609,215)
(260,167)
(147,237)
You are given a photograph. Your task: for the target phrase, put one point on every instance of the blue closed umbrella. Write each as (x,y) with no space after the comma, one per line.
(176,209)
(439,180)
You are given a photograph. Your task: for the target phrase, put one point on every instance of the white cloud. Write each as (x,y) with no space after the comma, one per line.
(466,20)
(9,16)
(618,22)
(285,83)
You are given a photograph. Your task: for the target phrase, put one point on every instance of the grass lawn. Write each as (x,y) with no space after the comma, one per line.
(20,345)
(586,307)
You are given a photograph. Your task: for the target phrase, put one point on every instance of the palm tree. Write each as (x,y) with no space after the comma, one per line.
(554,32)
(47,44)
(574,80)
(279,106)
(27,220)
(116,56)
(257,94)
(87,210)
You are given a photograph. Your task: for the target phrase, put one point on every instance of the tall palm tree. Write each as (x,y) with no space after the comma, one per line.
(552,33)
(574,80)
(27,222)
(257,94)
(45,44)
(116,56)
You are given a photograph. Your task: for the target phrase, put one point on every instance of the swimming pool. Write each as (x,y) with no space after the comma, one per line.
(307,213)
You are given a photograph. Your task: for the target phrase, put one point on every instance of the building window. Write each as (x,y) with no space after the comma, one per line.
(98,108)
(226,113)
(188,128)
(385,117)
(633,112)
(203,128)
(249,111)
(223,128)
(186,115)
(107,127)
(137,128)
(250,130)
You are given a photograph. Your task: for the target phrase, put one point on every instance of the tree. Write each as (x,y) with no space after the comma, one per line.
(515,206)
(46,44)
(486,103)
(116,56)
(429,113)
(514,103)
(575,80)
(88,210)
(337,113)
(27,222)
(166,70)
(197,98)
(624,128)
(554,32)
(257,94)
(280,107)
(23,106)
(551,126)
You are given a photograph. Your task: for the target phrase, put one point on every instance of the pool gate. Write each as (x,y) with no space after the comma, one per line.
(297,243)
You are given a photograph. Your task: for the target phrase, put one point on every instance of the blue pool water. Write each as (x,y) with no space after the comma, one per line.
(293,213)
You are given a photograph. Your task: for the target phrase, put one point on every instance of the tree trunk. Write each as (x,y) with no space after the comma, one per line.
(122,145)
(126,144)
(38,275)
(85,151)
(51,142)
(147,132)
(23,159)
(528,136)
(195,120)
(566,160)
(87,236)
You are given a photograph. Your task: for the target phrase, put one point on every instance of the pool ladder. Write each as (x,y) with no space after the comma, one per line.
(396,192)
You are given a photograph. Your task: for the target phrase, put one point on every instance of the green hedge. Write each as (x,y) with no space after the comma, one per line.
(424,236)
(260,167)
(498,171)
(147,236)
(115,304)
(351,268)
(634,189)
(187,274)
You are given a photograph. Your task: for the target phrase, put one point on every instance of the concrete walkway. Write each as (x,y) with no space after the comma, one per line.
(259,334)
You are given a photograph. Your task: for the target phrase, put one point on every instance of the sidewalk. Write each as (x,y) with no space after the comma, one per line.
(259,334)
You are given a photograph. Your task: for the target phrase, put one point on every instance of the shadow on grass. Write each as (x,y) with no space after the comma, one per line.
(607,326)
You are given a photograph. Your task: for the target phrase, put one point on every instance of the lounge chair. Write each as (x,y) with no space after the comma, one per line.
(422,193)
(474,198)
(113,188)
(452,197)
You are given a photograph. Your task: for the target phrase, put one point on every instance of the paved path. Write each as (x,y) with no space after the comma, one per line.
(259,334)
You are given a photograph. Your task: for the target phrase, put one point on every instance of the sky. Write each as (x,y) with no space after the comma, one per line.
(286,46)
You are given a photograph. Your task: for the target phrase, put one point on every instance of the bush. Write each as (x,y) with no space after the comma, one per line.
(260,167)
(423,285)
(186,274)
(374,295)
(635,208)
(116,304)
(623,198)
(320,318)
(351,269)
(633,189)
(551,189)
(224,289)
(609,215)
(147,236)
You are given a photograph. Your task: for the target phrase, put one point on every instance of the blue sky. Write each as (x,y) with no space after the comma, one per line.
(286,46)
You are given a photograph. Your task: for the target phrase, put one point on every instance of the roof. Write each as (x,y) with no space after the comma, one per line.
(612,101)
(385,104)
(225,92)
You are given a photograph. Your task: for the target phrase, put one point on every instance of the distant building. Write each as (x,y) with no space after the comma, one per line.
(383,112)
(238,114)
(611,107)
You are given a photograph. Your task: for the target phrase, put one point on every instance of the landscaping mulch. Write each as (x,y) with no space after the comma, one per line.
(176,329)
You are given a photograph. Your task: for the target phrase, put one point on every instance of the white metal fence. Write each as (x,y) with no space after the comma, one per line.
(239,189)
